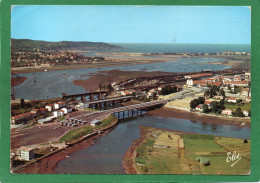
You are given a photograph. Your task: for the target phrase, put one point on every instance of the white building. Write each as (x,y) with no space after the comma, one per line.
(231,100)
(227,112)
(49,107)
(95,122)
(25,153)
(189,83)
(245,112)
(57,113)
(67,110)
(199,107)
(59,105)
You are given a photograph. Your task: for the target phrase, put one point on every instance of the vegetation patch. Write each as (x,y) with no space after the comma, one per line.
(202,154)
(85,130)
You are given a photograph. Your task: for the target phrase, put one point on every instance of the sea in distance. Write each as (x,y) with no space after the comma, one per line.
(177,48)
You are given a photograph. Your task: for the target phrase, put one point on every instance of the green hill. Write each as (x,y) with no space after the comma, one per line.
(26,44)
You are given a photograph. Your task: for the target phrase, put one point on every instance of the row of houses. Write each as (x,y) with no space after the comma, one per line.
(238,80)
(25,117)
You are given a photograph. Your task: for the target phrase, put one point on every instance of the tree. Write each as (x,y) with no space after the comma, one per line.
(22,103)
(222,93)
(214,106)
(206,93)
(194,103)
(205,108)
(239,101)
(239,112)
(201,100)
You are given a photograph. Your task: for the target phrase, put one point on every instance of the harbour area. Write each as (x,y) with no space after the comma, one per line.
(59,130)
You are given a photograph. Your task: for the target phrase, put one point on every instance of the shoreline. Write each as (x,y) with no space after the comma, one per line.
(199,117)
(47,163)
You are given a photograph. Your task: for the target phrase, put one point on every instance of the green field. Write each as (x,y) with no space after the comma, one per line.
(216,152)
(156,160)
(234,106)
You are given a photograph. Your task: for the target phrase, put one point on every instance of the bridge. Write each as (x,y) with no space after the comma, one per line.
(134,110)
(83,96)
(114,100)
(131,109)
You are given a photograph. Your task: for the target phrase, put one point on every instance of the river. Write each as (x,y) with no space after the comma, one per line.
(52,83)
(105,156)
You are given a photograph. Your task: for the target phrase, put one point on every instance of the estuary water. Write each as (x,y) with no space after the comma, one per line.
(105,156)
(51,84)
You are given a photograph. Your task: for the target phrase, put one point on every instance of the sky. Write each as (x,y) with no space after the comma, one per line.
(133,24)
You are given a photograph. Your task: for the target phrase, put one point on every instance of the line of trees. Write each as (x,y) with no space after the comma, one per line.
(168,89)
(213,91)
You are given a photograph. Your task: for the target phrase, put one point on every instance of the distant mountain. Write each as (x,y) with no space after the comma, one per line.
(21,44)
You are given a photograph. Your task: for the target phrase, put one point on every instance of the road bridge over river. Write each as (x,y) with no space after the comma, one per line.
(107,101)
(135,108)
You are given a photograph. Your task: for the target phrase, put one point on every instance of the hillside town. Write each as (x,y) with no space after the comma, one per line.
(37,57)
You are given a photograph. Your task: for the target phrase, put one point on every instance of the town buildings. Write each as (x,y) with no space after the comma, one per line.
(25,153)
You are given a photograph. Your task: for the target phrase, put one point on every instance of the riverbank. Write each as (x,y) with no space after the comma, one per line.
(195,116)
(47,164)
(160,151)
(107,77)
(17,80)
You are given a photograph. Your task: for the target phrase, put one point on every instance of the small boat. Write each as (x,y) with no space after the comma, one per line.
(67,156)
(45,70)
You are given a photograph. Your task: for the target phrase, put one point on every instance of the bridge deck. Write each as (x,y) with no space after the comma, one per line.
(109,99)
(137,106)
(84,94)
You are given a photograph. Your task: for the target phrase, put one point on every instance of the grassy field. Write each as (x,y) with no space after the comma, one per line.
(233,106)
(153,159)
(76,134)
(215,150)
(85,130)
